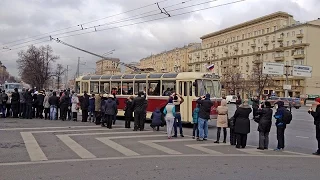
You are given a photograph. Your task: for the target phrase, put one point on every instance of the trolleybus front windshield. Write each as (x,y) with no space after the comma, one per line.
(207,86)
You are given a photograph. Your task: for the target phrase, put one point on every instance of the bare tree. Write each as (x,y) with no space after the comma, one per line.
(35,65)
(258,79)
(58,73)
(232,80)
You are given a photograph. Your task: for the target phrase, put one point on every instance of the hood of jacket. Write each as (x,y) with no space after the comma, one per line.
(207,96)
(109,100)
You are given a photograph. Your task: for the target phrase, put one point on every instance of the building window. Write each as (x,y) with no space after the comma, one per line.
(237,37)
(248,51)
(267,30)
(288,34)
(288,43)
(262,31)
(255,33)
(287,53)
(242,36)
(301,31)
(293,42)
(274,28)
(241,51)
(242,45)
(293,33)
(258,48)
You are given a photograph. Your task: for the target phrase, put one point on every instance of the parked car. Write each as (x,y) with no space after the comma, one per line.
(231,99)
(293,102)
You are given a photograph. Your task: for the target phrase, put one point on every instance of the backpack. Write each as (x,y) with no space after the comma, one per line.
(287,116)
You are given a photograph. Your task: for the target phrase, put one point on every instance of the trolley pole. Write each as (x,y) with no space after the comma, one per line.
(67,84)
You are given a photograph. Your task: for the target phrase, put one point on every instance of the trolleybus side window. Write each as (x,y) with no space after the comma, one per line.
(168,87)
(127,88)
(104,87)
(154,88)
(85,86)
(116,87)
(94,87)
(139,86)
(207,86)
(185,93)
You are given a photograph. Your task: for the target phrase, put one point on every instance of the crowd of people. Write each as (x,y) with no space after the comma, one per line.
(102,109)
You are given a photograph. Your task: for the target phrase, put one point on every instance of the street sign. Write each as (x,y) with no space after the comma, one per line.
(287,87)
(302,71)
(273,68)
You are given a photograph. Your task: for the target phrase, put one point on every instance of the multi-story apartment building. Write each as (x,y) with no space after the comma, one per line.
(129,70)
(108,66)
(174,60)
(4,74)
(273,38)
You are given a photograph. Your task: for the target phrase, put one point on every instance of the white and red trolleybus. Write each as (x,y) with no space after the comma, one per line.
(191,85)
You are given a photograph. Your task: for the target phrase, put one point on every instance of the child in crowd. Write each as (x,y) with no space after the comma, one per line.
(195,116)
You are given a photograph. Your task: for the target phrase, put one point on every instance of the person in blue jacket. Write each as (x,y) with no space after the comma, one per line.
(280,124)
(195,117)
(92,108)
(157,119)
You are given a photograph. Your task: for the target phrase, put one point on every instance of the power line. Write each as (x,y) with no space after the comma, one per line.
(85,23)
(202,9)
(117,21)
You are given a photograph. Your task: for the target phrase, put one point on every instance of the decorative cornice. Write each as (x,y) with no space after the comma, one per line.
(248,23)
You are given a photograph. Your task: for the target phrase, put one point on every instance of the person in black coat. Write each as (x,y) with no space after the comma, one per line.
(15,99)
(139,105)
(255,106)
(84,103)
(110,108)
(39,105)
(242,124)
(128,114)
(205,104)
(265,122)
(29,102)
(316,116)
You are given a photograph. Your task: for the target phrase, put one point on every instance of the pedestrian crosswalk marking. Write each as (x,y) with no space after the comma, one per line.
(76,147)
(34,150)
(106,133)
(125,151)
(152,143)
(201,147)
(35,128)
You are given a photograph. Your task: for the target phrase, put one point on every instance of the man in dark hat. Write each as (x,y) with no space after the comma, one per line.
(139,105)
(15,98)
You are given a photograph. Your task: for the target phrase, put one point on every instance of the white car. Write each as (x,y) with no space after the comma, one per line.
(231,99)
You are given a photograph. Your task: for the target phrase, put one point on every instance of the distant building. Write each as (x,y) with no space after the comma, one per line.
(174,60)
(275,37)
(108,66)
(4,75)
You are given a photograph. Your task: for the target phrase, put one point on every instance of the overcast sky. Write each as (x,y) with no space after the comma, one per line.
(20,19)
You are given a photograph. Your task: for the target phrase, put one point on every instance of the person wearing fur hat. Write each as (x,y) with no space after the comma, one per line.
(316,115)
(109,111)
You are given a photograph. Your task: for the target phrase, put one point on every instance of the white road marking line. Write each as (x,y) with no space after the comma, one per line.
(152,143)
(201,147)
(76,147)
(160,148)
(124,132)
(35,128)
(75,130)
(118,147)
(138,136)
(304,137)
(152,156)
(33,148)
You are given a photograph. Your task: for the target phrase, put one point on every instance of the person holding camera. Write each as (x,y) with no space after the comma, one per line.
(204,115)
(177,101)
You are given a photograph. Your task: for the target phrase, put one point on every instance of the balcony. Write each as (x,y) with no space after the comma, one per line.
(280,39)
(198,55)
(257,61)
(300,35)
(266,43)
(205,55)
(298,56)
(281,45)
(279,58)
(197,69)
(226,50)
(253,45)
(235,62)
(280,49)
(236,49)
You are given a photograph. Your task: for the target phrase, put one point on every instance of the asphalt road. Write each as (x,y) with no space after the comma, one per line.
(40,149)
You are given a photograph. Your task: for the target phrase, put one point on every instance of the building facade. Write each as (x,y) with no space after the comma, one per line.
(4,74)
(273,38)
(175,60)
(108,66)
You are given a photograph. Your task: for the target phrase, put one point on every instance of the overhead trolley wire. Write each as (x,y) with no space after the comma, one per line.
(174,15)
(83,23)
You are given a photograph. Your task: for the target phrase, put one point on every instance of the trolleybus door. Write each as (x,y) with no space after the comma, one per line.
(186,106)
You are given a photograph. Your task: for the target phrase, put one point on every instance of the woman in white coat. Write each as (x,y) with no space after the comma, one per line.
(169,112)
(74,106)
